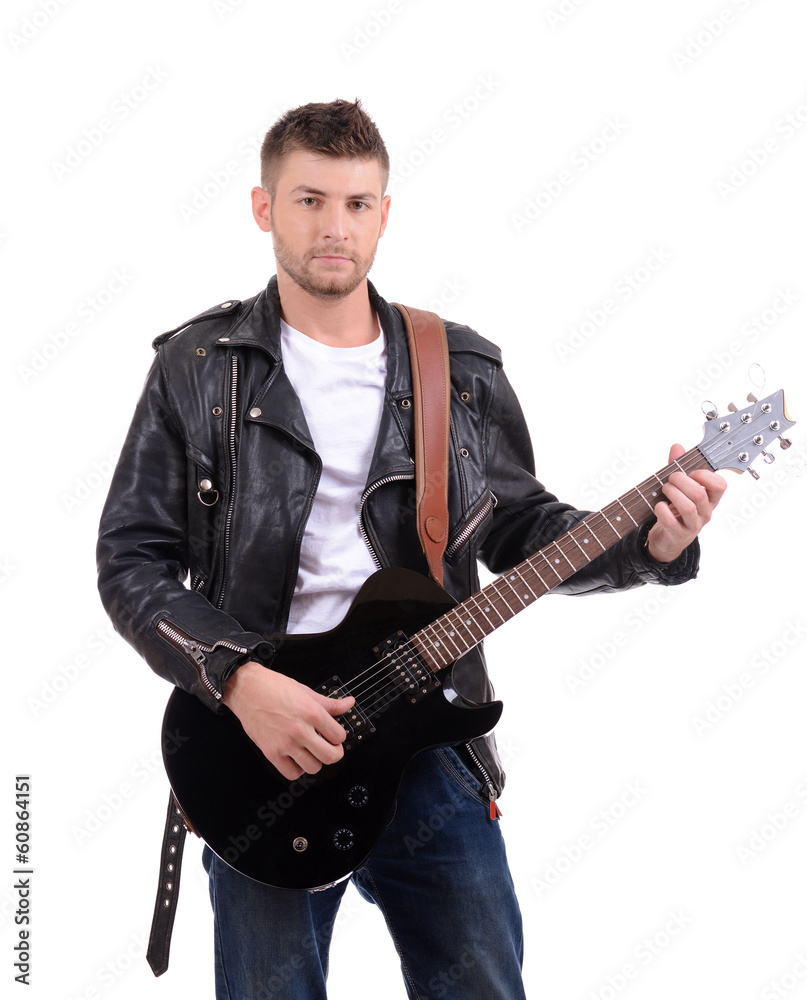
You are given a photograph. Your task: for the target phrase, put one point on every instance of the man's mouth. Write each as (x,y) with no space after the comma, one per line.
(333,259)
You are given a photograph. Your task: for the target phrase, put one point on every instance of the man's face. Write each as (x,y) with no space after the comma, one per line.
(326,218)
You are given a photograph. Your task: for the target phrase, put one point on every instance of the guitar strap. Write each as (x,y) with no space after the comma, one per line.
(431,394)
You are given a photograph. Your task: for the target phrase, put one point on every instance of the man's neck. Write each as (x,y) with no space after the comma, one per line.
(339,322)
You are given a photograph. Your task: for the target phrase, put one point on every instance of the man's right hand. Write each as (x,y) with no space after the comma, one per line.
(294,727)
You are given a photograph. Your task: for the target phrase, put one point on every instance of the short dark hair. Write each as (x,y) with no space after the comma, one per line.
(338,129)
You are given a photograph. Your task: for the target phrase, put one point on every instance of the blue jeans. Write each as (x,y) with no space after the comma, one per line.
(438,874)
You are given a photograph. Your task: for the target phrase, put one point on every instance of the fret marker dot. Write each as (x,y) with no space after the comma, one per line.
(557,560)
(487,608)
(513,576)
(451,633)
(468,621)
(585,541)
(619,518)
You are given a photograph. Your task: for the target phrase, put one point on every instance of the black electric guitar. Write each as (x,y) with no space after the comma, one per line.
(394,652)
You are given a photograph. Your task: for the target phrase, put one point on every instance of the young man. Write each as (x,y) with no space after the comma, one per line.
(270,457)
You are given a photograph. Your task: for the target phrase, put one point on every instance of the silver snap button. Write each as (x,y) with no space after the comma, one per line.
(225,305)
(205,484)
(217,411)
(224,340)
(201,351)
(465,396)
(255,411)
(464,452)
(406,403)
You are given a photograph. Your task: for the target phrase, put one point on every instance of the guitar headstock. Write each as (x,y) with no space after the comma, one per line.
(736,439)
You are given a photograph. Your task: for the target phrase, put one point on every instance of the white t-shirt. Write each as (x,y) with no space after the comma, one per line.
(342,394)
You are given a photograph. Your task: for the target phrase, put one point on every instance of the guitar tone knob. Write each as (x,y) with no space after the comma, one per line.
(358,796)
(343,839)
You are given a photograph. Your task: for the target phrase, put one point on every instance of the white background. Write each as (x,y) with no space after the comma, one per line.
(666,108)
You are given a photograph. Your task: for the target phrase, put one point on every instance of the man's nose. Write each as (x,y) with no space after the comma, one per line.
(334,224)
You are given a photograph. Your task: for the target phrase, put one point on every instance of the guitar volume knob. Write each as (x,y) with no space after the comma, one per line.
(343,839)
(358,796)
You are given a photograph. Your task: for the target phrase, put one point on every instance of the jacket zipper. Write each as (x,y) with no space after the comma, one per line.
(233,469)
(393,477)
(471,525)
(489,787)
(195,651)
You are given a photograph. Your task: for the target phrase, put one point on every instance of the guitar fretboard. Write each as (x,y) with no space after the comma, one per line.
(465,626)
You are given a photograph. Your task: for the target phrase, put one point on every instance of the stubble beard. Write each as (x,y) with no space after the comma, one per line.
(299,269)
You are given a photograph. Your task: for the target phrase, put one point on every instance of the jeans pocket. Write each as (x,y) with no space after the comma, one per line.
(461,774)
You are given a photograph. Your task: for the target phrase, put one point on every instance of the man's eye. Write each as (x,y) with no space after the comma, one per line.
(309,201)
(359,204)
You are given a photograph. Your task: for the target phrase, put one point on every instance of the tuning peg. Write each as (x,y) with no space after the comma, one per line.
(751,398)
(784,443)
(767,458)
(710,414)
(732,408)
(753,472)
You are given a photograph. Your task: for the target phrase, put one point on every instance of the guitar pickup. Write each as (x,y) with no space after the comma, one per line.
(406,668)
(355,722)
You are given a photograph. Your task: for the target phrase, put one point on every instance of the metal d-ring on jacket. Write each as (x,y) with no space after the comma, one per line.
(218,473)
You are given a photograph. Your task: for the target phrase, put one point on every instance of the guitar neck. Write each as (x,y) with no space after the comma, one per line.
(465,626)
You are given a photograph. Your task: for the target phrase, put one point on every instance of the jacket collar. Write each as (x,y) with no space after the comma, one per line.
(259,327)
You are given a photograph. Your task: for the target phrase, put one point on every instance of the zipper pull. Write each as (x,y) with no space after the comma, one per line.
(495,811)
(194,653)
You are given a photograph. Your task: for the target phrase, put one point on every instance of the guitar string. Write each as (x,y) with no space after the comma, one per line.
(631,502)
(381,677)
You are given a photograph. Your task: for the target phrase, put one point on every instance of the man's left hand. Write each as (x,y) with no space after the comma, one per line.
(692,500)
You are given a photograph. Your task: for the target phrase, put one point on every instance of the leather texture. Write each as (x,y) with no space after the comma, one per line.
(200,532)
(431,392)
(248,437)
(165,905)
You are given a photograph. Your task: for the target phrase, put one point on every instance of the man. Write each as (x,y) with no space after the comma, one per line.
(270,457)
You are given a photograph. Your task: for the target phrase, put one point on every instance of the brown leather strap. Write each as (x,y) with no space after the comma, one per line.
(165,906)
(428,354)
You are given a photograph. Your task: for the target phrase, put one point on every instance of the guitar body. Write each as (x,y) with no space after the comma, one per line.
(316,830)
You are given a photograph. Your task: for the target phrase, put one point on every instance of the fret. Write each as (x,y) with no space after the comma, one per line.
(465,626)
(526,584)
(484,615)
(644,499)
(590,528)
(622,505)
(583,552)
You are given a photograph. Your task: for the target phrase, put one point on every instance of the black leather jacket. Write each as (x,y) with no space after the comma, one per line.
(200,536)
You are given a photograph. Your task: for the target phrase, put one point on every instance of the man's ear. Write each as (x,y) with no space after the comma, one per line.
(385,203)
(262,208)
